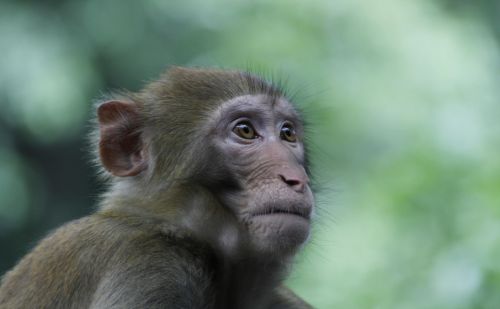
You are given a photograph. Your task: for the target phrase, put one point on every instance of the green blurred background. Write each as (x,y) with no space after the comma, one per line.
(403,99)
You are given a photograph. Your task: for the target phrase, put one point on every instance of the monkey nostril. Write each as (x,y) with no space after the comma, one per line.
(294,183)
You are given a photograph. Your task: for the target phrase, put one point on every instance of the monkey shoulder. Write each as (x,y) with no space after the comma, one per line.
(151,267)
(54,273)
(137,246)
(113,257)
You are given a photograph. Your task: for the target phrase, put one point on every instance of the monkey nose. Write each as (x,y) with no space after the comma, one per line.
(296,181)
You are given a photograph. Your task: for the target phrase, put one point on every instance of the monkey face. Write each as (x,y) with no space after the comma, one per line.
(259,140)
(231,172)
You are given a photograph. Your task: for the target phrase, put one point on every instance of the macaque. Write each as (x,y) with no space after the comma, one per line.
(208,201)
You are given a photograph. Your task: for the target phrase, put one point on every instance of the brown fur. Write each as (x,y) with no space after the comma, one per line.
(165,235)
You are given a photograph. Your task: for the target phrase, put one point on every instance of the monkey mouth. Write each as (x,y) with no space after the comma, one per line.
(289,210)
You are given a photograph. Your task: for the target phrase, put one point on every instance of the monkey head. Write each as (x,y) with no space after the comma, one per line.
(221,152)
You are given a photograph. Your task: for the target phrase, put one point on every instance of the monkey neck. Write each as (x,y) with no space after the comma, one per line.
(242,283)
(241,272)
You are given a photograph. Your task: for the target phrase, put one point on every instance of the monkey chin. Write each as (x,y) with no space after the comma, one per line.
(281,233)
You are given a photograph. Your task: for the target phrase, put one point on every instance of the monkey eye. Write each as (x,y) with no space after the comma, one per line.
(287,133)
(245,130)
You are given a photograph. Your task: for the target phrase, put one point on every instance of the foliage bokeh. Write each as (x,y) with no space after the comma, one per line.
(404,104)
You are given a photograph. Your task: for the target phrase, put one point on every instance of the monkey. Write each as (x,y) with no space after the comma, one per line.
(208,200)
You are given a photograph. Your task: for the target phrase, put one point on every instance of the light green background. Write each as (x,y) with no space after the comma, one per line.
(403,100)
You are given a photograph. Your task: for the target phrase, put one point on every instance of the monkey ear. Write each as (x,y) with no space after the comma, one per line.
(121,148)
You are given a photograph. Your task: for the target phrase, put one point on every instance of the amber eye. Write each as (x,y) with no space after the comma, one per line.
(245,130)
(288,133)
